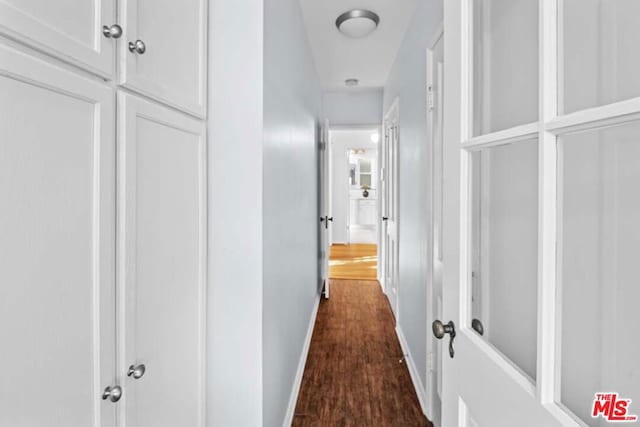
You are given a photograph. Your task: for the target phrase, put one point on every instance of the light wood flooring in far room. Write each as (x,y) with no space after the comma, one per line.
(355,261)
(355,374)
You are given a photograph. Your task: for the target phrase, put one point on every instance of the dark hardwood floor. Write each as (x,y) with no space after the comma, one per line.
(353,375)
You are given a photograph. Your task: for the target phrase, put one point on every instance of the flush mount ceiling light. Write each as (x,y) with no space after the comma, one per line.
(357,23)
(351,82)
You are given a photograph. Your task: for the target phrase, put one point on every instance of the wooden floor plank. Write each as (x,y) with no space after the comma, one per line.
(355,261)
(353,375)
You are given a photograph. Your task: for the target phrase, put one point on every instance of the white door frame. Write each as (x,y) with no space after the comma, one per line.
(347,203)
(345,164)
(391,116)
(324,205)
(433,100)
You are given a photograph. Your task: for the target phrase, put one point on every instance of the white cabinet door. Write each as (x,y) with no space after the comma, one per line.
(161,264)
(57,244)
(172,68)
(68,29)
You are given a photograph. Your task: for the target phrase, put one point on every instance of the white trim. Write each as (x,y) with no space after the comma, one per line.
(430,389)
(297,382)
(413,372)
(601,116)
(514,134)
(547,321)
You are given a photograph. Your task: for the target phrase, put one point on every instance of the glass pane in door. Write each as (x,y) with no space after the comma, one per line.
(598,56)
(505,64)
(599,254)
(504,250)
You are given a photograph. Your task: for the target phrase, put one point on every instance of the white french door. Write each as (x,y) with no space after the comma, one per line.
(541,170)
(324,205)
(389,227)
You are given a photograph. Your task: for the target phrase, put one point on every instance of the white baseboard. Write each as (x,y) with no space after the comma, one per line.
(413,372)
(288,418)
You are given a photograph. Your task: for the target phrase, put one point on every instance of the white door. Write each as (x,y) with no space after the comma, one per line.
(163,51)
(325,215)
(161,265)
(435,105)
(57,244)
(390,250)
(542,138)
(71,30)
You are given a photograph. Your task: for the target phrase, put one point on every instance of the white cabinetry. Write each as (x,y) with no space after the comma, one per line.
(160,45)
(57,245)
(68,29)
(173,67)
(85,295)
(162,242)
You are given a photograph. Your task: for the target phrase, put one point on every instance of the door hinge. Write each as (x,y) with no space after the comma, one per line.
(322,146)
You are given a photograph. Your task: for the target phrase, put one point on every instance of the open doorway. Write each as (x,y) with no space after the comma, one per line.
(354,205)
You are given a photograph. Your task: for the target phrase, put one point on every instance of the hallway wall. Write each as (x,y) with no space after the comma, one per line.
(264,106)
(407,81)
(292,110)
(234,323)
(353,106)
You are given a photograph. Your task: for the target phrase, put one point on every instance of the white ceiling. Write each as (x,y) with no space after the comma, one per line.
(368,59)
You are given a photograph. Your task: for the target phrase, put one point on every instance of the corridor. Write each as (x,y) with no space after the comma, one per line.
(355,374)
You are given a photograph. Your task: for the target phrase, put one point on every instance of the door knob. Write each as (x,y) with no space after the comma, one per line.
(136,371)
(112,393)
(137,47)
(477,326)
(112,32)
(440,329)
(385,218)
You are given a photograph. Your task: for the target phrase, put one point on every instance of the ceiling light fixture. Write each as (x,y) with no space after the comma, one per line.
(351,82)
(357,23)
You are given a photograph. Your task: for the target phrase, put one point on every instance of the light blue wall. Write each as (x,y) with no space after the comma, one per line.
(292,109)
(407,81)
(234,319)
(353,107)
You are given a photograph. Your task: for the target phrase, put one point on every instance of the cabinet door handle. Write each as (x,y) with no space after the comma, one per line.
(112,393)
(137,47)
(136,371)
(112,32)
